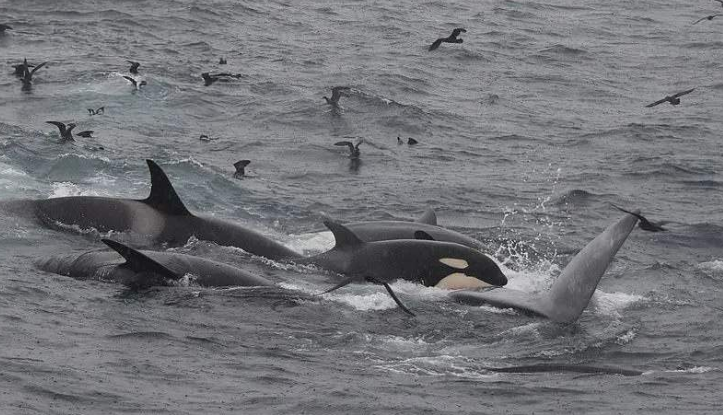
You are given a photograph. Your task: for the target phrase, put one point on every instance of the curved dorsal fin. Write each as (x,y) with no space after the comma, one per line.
(423,236)
(344,236)
(163,196)
(429,217)
(140,262)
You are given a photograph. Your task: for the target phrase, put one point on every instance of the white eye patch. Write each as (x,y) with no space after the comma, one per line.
(454,262)
(460,281)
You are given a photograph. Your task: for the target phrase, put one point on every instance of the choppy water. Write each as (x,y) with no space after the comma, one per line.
(527,130)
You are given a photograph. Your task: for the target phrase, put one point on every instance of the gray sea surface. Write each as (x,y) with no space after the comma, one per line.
(527,131)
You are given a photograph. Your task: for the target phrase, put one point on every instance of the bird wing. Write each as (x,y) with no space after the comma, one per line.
(457,31)
(700,20)
(241,165)
(133,81)
(680,94)
(346,143)
(436,43)
(58,124)
(336,92)
(658,102)
(37,67)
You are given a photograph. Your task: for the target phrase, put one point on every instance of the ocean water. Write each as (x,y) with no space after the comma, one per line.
(527,131)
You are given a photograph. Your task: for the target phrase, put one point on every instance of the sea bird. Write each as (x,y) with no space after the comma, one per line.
(240,168)
(28,76)
(450,39)
(135,83)
(65,131)
(335,95)
(134,67)
(353,148)
(711,17)
(673,99)
(20,69)
(99,111)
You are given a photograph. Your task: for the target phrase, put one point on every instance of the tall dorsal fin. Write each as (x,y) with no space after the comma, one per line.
(140,262)
(423,236)
(429,217)
(344,236)
(163,196)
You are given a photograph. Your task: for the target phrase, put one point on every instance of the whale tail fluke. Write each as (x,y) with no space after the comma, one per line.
(573,288)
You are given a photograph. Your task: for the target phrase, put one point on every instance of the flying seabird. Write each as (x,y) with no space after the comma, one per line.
(335,95)
(134,67)
(711,17)
(450,39)
(240,168)
(673,99)
(65,131)
(28,76)
(99,111)
(353,149)
(135,83)
(644,224)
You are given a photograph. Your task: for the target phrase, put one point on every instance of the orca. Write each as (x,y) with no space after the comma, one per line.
(573,288)
(161,217)
(429,262)
(369,231)
(142,269)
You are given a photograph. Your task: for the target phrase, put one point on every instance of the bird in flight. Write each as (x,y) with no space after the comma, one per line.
(711,17)
(335,95)
(673,99)
(449,39)
(353,148)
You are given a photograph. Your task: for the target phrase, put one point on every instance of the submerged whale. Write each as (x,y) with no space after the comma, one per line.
(573,288)
(162,217)
(142,269)
(369,231)
(424,260)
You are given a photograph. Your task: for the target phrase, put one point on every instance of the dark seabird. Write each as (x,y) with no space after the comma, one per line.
(134,67)
(673,99)
(644,224)
(222,61)
(28,76)
(99,111)
(208,78)
(335,95)
(20,69)
(4,27)
(711,17)
(353,149)
(65,131)
(450,39)
(240,168)
(135,83)
(85,134)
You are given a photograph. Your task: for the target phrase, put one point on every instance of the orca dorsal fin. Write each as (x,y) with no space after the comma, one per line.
(423,236)
(140,262)
(344,236)
(163,196)
(429,217)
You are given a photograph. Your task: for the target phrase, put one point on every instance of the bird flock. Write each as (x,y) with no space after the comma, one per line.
(25,71)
